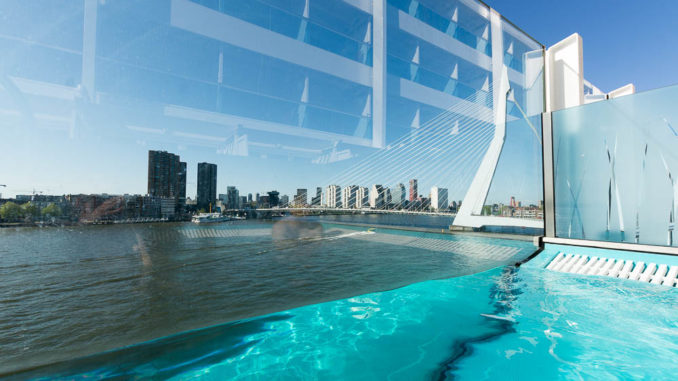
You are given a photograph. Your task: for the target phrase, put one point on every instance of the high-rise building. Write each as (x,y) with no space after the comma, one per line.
(301,198)
(414,193)
(274,198)
(163,174)
(263,202)
(181,185)
(362,199)
(284,201)
(333,196)
(439,199)
(349,196)
(207,185)
(513,202)
(317,199)
(232,198)
(377,197)
(249,198)
(398,195)
(167,178)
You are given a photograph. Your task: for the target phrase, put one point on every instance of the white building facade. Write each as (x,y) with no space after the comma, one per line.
(439,199)
(333,196)
(362,198)
(349,196)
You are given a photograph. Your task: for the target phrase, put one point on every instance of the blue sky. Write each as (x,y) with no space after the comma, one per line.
(624,41)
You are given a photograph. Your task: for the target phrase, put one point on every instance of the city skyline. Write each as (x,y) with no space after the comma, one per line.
(183,190)
(251,175)
(165,199)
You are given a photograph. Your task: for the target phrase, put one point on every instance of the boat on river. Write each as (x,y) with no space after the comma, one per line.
(207,218)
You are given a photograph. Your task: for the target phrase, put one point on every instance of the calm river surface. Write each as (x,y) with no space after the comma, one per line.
(73,291)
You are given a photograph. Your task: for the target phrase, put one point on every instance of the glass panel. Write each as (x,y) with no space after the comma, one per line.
(615,169)
(515,189)
(127,125)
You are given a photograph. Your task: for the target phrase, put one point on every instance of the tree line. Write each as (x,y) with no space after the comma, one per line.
(11,211)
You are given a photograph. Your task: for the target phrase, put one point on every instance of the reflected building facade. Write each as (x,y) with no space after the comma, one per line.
(376,69)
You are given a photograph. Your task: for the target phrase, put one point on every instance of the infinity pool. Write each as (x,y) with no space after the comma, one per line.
(505,323)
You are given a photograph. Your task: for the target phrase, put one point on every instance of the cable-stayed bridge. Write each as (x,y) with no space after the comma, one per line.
(458,150)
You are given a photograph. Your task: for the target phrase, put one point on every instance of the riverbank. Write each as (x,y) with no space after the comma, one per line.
(64,223)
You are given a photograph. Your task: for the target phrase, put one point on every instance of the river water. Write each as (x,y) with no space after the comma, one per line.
(73,291)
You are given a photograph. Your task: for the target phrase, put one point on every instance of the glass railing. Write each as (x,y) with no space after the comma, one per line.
(615,167)
(146,144)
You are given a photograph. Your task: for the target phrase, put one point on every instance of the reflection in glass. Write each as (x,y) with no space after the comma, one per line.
(121,122)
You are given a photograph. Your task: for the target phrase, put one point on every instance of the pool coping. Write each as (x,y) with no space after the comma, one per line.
(514,237)
(622,246)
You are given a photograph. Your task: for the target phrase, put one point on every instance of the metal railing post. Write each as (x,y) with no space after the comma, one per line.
(549,180)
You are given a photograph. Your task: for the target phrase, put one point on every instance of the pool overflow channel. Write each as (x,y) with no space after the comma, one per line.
(661,274)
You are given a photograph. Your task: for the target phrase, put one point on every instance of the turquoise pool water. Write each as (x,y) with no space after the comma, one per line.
(505,323)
